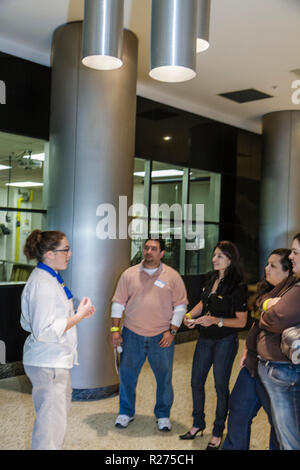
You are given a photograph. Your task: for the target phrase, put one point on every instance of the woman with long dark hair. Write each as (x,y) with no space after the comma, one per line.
(279,372)
(248,394)
(219,314)
(50,351)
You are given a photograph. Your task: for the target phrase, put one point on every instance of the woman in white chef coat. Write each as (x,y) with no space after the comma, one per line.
(50,351)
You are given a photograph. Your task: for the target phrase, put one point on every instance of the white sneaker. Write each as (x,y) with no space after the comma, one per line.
(122,421)
(164,424)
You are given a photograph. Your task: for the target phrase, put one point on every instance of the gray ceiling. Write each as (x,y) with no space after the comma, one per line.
(254,45)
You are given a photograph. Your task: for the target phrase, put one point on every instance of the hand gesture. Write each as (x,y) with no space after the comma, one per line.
(85,308)
(206,320)
(189,322)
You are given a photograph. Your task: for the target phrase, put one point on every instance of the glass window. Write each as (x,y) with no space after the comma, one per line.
(204,188)
(160,194)
(200,260)
(22,206)
(22,171)
(139,211)
(166,184)
(166,214)
(138,183)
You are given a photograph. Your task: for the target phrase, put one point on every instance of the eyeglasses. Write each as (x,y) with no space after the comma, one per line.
(65,250)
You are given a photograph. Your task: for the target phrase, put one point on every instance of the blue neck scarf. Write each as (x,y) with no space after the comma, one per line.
(53,273)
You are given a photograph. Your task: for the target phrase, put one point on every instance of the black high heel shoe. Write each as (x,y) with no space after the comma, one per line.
(189,436)
(211,446)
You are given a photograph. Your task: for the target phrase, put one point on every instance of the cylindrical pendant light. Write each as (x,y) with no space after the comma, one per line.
(173,37)
(203,18)
(102,37)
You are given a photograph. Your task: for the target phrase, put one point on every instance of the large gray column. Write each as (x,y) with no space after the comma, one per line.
(92,137)
(280,184)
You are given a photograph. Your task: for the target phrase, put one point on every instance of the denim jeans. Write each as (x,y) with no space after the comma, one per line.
(220,354)
(247,397)
(282,382)
(135,350)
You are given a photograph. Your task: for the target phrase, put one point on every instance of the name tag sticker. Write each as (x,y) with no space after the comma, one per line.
(159,283)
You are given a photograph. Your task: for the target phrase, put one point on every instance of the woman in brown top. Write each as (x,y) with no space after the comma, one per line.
(248,394)
(279,375)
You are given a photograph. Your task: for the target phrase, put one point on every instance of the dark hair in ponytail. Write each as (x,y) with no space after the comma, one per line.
(38,243)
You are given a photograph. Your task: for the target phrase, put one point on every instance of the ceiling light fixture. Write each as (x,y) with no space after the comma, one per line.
(173,37)
(161,173)
(37,156)
(167,137)
(25,184)
(102,36)
(203,18)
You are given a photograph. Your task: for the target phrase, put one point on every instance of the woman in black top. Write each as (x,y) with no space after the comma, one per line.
(218,315)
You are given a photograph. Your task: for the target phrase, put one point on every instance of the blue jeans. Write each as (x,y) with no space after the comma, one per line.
(220,354)
(247,397)
(135,350)
(282,382)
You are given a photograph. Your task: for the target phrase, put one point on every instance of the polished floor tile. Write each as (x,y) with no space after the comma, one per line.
(91,424)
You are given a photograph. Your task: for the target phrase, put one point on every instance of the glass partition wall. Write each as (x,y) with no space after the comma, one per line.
(22,201)
(161,194)
(181,205)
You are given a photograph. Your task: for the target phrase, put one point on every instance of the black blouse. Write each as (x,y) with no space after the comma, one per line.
(223,304)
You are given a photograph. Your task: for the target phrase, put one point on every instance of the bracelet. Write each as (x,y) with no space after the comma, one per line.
(114,329)
(265,305)
(188,315)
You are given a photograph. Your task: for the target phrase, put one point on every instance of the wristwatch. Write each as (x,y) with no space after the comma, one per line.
(173,332)
(220,323)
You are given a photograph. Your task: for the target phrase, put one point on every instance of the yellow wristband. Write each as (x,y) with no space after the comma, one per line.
(265,304)
(188,315)
(114,328)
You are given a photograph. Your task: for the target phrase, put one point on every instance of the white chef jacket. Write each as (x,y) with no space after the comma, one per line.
(45,310)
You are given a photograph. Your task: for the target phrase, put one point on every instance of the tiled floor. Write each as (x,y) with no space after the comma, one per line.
(91,424)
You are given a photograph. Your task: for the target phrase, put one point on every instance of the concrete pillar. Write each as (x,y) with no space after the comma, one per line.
(280,183)
(92,140)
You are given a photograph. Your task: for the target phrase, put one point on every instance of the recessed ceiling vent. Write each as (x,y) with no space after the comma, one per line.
(245,96)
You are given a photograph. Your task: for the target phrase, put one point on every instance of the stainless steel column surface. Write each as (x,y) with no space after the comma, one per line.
(280,182)
(92,138)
